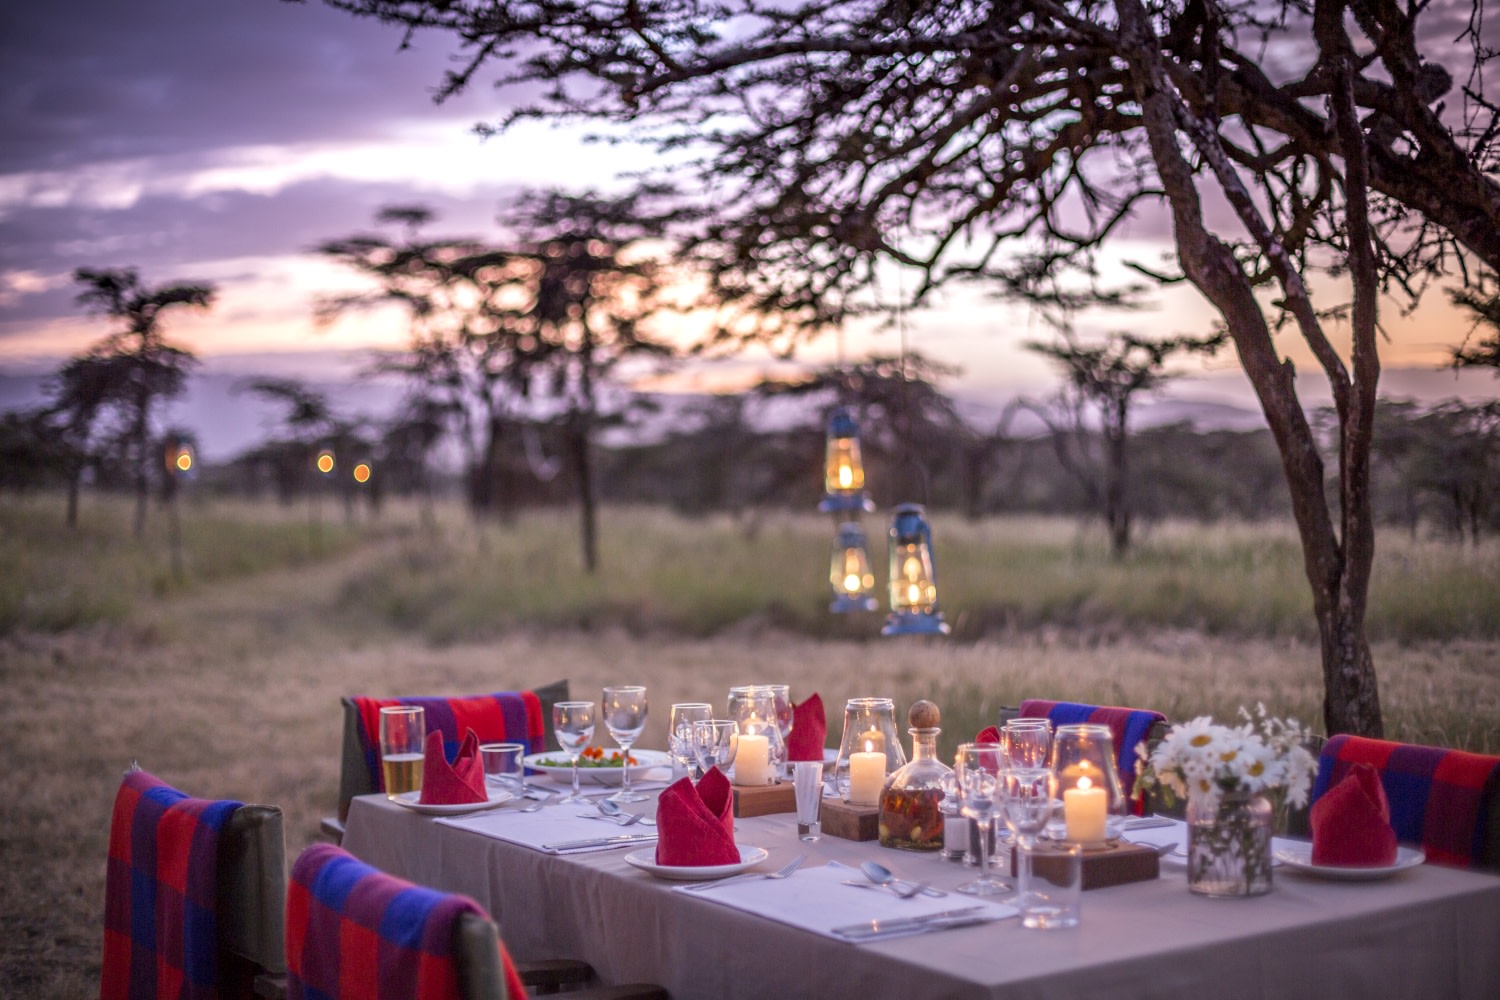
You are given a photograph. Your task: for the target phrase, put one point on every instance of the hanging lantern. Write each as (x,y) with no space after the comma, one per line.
(325,462)
(913,580)
(362,473)
(849,572)
(843,469)
(179,456)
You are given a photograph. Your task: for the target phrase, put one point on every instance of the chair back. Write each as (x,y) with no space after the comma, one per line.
(516,716)
(193,894)
(354,932)
(1447,801)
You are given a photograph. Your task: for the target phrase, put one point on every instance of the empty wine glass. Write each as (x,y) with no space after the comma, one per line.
(714,743)
(1027,803)
(573,724)
(1027,742)
(625,717)
(978,781)
(783,693)
(680,732)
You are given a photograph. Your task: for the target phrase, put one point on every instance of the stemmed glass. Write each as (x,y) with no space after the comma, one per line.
(783,693)
(714,743)
(625,717)
(573,723)
(680,733)
(977,775)
(1027,793)
(1027,742)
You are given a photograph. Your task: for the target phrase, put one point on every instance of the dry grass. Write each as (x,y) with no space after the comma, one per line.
(231,689)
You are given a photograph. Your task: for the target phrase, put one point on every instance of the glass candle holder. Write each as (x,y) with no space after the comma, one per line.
(1088,783)
(869,732)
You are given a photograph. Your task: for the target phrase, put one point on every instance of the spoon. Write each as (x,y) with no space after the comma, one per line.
(614,812)
(881,875)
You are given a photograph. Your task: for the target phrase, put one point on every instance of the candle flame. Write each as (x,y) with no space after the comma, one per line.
(846,476)
(1085,783)
(869,746)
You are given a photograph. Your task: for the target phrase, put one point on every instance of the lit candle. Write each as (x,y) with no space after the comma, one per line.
(1084,809)
(866,776)
(752,761)
(873,740)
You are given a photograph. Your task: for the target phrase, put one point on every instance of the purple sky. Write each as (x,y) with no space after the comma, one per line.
(221,140)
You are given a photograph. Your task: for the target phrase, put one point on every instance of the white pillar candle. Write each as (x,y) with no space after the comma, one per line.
(1084,809)
(752,761)
(866,777)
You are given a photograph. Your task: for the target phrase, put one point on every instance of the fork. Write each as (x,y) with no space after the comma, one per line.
(629,819)
(786,870)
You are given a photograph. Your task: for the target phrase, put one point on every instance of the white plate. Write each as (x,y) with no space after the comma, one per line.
(412,801)
(645,860)
(1299,857)
(647,759)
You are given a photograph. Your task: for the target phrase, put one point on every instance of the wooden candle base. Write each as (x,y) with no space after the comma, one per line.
(850,822)
(763,800)
(1103,867)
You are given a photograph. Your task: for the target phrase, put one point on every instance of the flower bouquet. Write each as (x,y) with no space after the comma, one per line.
(1238,782)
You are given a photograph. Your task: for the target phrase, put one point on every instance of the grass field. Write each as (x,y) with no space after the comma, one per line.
(226,682)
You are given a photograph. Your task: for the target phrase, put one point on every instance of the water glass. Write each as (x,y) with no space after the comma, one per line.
(807,783)
(503,766)
(625,718)
(1054,894)
(1027,794)
(714,743)
(573,725)
(978,776)
(680,733)
(403,731)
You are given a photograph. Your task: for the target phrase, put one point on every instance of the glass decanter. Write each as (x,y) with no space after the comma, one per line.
(911,811)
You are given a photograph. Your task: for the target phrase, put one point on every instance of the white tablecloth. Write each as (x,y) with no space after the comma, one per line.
(1430,932)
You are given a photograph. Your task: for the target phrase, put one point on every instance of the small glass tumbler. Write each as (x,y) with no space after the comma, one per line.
(807,783)
(502,765)
(1054,897)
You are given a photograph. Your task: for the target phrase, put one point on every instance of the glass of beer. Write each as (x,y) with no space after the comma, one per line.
(403,730)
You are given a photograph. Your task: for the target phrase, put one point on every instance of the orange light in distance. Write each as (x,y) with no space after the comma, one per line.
(184,461)
(362,473)
(325,462)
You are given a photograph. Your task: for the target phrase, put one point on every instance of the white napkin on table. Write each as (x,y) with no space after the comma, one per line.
(552,824)
(815,899)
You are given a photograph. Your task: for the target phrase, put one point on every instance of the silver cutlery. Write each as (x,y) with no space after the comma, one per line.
(786,870)
(872,930)
(879,874)
(1147,823)
(906,891)
(625,819)
(617,841)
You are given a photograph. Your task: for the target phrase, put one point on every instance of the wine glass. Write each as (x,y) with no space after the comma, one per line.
(680,732)
(714,743)
(1027,794)
(625,717)
(977,776)
(784,718)
(1028,742)
(573,724)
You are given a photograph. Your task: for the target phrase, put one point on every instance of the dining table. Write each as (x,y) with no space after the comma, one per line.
(1430,931)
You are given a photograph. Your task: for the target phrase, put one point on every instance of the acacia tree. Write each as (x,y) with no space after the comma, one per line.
(138,365)
(1109,376)
(826,127)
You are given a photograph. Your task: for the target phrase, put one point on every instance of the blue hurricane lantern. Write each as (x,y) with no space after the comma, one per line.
(849,572)
(914,598)
(843,468)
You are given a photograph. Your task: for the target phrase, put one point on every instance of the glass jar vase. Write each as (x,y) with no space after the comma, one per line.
(1229,845)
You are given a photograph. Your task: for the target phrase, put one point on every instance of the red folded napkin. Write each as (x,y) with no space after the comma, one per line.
(809,730)
(695,825)
(1351,823)
(461,782)
(989,734)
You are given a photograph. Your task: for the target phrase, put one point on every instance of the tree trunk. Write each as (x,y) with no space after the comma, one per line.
(1116,503)
(141,434)
(583,473)
(75,477)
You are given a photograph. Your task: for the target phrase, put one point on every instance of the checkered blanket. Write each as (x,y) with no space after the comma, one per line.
(512,716)
(1127,726)
(1439,798)
(355,932)
(160,925)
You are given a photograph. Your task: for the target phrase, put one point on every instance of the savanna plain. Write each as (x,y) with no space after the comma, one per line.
(223,676)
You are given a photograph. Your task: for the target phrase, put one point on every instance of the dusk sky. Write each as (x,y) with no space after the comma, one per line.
(219,141)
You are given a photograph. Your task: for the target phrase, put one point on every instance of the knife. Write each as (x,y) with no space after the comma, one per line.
(624,838)
(1147,823)
(902,924)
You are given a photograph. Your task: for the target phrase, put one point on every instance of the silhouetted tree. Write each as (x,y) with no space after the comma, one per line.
(136,364)
(1483,301)
(1108,377)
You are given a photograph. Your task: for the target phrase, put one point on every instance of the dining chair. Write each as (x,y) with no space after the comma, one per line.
(1446,801)
(353,931)
(195,896)
(517,716)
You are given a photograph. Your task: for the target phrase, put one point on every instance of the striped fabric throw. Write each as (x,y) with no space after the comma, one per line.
(355,932)
(1439,798)
(513,716)
(160,894)
(1127,726)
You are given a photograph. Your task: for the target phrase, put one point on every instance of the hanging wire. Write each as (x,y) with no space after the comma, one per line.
(908,453)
